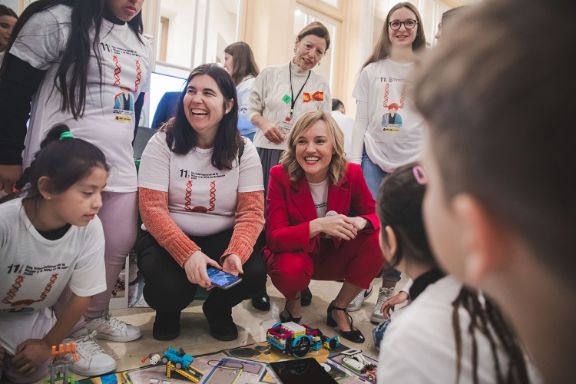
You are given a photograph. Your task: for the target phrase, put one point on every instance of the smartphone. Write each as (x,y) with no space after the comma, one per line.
(221,279)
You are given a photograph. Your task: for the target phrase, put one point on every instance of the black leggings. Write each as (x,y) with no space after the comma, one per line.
(167,288)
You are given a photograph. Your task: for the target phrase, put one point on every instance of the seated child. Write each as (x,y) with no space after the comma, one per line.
(49,239)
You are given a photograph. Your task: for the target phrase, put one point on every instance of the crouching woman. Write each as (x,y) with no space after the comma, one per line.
(202,202)
(321,222)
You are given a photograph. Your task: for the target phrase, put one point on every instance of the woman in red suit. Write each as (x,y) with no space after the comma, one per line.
(321,221)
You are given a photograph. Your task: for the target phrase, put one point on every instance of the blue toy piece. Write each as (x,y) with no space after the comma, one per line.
(178,358)
(378,333)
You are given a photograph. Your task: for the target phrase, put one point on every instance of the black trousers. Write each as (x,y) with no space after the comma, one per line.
(167,289)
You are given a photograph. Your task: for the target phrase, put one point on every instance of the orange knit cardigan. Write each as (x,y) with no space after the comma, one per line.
(247,227)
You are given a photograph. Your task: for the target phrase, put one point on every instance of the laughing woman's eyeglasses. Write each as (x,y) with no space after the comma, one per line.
(408,24)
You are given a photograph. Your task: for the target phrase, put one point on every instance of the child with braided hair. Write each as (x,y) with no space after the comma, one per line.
(50,238)
(501,176)
(449,332)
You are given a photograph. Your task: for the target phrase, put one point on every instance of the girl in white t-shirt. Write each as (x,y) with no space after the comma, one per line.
(84,63)
(50,239)
(202,205)
(240,64)
(449,333)
(388,131)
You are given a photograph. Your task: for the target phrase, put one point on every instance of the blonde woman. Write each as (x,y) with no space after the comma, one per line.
(321,221)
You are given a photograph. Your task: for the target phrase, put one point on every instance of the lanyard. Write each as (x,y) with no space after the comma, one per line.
(293,100)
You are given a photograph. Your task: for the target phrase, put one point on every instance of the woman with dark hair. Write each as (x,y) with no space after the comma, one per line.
(202,205)
(388,131)
(240,64)
(281,95)
(8,19)
(320,222)
(66,61)
(449,333)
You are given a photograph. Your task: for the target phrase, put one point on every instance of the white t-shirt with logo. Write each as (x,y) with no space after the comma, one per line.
(393,130)
(34,270)
(201,198)
(109,119)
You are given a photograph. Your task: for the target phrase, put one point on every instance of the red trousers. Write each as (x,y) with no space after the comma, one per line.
(356,261)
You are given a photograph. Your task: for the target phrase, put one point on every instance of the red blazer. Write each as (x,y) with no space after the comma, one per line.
(290,208)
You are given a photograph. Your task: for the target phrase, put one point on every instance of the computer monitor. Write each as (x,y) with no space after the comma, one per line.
(159,85)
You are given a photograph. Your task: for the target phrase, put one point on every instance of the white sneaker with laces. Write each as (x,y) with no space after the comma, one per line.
(113,329)
(356,304)
(93,361)
(384,294)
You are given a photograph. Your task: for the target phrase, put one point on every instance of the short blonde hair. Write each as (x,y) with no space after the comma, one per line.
(337,167)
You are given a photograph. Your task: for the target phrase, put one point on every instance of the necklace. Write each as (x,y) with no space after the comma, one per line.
(293,99)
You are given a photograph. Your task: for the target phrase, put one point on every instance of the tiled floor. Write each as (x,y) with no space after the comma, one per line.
(195,339)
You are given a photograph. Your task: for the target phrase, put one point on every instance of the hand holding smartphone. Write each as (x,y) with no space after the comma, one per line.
(221,279)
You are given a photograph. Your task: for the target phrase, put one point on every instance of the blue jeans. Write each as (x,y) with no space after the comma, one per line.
(374,175)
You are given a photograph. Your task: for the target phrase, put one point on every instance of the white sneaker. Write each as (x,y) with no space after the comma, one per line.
(383,295)
(113,329)
(356,304)
(93,361)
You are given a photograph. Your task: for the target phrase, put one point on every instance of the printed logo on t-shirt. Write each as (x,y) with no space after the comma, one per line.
(124,99)
(321,205)
(19,304)
(203,201)
(391,119)
(19,287)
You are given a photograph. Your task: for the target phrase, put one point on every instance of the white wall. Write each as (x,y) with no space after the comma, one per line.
(221,29)
(13,4)
(181,33)
(199,30)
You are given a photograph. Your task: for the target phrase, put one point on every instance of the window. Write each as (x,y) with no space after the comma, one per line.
(191,33)
(163,38)
(333,3)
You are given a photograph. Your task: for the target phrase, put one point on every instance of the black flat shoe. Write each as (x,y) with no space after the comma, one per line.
(224,331)
(220,322)
(285,318)
(261,301)
(166,326)
(353,335)
(306,297)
